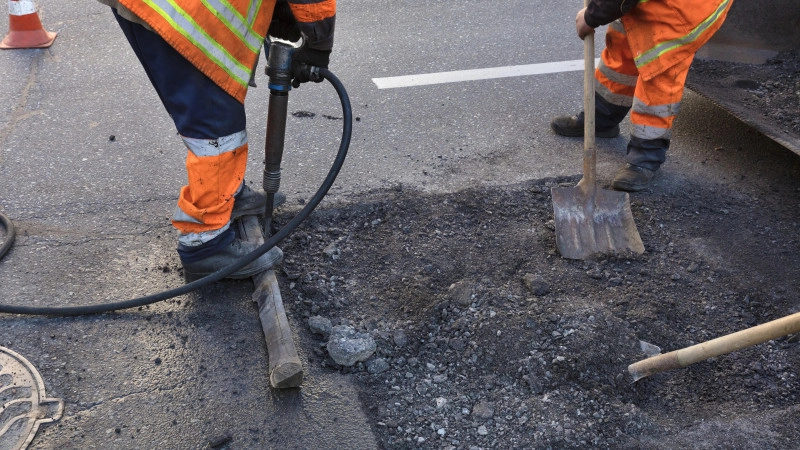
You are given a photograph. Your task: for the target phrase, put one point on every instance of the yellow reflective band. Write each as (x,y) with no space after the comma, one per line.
(187,27)
(667,46)
(236,23)
(255,7)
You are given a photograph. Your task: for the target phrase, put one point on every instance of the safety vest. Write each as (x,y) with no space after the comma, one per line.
(662,33)
(222,38)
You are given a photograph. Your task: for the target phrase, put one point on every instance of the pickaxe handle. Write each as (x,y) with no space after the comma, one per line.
(725,344)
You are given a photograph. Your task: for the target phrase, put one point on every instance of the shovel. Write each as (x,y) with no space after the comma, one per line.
(588,220)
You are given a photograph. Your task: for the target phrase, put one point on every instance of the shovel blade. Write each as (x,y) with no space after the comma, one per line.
(594,221)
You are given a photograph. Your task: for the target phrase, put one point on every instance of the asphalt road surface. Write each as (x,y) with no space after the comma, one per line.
(90,167)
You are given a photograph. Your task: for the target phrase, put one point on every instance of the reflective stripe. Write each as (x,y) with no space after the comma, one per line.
(236,23)
(610,97)
(195,239)
(253,11)
(616,77)
(21,8)
(667,46)
(648,132)
(180,216)
(215,147)
(191,30)
(617,26)
(663,111)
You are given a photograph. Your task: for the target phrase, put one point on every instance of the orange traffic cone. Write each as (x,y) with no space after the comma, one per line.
(25,29)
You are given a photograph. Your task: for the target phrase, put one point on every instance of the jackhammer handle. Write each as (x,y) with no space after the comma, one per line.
(312,73)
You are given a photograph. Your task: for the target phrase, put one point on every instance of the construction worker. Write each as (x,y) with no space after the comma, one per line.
(199,57)
(649,48)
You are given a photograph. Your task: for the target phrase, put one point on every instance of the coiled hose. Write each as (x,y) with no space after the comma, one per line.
(287,229)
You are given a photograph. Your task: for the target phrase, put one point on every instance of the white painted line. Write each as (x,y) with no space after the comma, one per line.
(479,74)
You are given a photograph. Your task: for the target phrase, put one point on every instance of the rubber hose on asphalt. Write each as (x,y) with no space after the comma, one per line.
(287,229)
(10,234)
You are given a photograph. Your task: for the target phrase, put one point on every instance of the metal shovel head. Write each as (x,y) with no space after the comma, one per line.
(591,221)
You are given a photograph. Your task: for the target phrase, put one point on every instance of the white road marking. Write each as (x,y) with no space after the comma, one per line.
(479,74)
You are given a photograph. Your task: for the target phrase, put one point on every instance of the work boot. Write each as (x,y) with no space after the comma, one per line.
(250,202)
(572,126)
(230,254)
(632,178)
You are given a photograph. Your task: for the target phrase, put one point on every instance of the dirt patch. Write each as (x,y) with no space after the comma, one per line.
(766,96)
(771,89)
(492,340)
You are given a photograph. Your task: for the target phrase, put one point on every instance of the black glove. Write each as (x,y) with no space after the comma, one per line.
(283,25)
(303,60)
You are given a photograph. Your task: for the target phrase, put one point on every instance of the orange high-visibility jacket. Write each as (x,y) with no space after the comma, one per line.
(223,38)
(661,33)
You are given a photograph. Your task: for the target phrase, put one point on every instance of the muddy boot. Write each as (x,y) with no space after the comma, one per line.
(250,202)
(228,255)
(607,119)
(632,178)
(644,157)
(572,126)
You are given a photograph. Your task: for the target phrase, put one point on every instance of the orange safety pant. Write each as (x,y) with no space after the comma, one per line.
(212,124)
(654,102)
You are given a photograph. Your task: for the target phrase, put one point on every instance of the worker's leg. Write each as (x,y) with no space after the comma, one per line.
(656,102)
(616,79)
(212,126)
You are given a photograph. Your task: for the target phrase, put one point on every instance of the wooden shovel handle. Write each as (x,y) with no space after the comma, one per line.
(589,152)
(715,347)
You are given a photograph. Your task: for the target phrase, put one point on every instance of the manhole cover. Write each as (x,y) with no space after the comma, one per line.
(24,404)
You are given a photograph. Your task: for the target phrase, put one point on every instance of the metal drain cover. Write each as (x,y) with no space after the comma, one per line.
(23,404)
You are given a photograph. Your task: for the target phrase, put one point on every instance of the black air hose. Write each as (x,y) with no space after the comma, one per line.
(222,273)
(10,233)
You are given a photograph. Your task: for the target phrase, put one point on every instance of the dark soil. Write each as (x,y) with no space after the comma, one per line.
(766,96)
(492,340)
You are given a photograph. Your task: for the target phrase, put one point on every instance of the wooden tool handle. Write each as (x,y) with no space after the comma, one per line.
(589,152)
(285,368)
(715,347)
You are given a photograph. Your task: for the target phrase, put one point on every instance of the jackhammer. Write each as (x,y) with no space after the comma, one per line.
(279,71)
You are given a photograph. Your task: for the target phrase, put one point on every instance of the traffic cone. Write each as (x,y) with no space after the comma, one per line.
(25,28)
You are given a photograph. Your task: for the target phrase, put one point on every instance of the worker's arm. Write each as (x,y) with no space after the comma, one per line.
(603,12)
(599,13)
(317,21)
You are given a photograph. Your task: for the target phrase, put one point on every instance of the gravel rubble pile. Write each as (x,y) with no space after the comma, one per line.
(486,338)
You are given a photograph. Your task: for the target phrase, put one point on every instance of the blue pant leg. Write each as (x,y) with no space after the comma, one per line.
(199,108)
